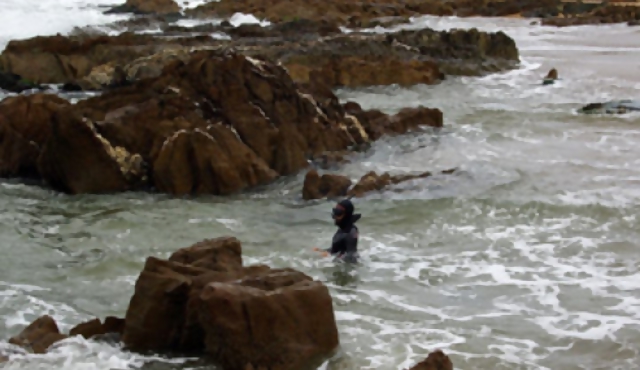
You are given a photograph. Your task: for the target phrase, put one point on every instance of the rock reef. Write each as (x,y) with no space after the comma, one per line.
(203,300)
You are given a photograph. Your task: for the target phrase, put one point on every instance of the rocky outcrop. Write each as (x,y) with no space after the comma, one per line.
(350,13)
(39,335)
(24,129)
(312,51)
(603,14)
(436,360)
(60,59)
(218,124)
(13,83)
(325,186)
(146,7)
(377,124)
(611,107)
(332,186)
(204,299)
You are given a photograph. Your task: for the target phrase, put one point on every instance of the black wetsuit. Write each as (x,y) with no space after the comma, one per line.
(345,240)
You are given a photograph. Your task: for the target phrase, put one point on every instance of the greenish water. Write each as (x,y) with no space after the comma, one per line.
(526,259)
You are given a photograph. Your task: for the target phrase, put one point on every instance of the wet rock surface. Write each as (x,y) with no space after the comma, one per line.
(611,107)
(328,185)
(436,360)
(309,49)
(217,124)
(146,7)
(203,301)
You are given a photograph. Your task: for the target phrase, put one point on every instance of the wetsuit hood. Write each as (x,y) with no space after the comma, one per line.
(349,217)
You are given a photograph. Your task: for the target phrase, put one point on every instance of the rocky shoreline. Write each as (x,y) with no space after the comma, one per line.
(189,114)
(204,301)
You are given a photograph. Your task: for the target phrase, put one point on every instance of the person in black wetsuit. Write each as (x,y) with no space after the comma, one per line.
(345,240)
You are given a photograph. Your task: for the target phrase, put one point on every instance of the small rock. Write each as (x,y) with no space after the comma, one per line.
(95,328)
(14,83)
(436,360)
(551,77)
(39,335)
(325,186)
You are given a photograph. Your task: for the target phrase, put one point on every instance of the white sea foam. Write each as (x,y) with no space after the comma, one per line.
(23,19)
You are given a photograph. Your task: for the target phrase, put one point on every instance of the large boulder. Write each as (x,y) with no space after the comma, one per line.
(76,159)
(25,126)
(204,299)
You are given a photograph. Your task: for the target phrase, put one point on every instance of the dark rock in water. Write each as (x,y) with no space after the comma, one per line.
(331,185)
(14,83)
(551,77)
(325,186)
(204,300)
(436,360)
(24,129)
(165,7)
(95,328)
(39,335)
(611,107)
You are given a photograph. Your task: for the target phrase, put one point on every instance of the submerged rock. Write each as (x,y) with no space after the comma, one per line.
(611,107)
(436,360)
(15,83)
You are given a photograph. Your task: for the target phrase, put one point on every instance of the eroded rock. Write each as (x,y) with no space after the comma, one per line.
(25,126)
(325,186)
(204,299)
(39,335)
(611,107)
(95,327)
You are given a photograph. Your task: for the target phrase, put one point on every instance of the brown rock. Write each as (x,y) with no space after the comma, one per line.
(325,186)
(378,124)
(60,59)
(204,299)
(94,327)
(76,159)
(552,75)
(153,6)
(277,333)
(25,125)
(371,181)
(39,335)
(436,360)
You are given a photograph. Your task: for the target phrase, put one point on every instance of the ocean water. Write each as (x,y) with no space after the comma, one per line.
(528,258)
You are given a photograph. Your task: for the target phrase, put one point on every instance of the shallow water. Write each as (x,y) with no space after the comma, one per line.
(526,259)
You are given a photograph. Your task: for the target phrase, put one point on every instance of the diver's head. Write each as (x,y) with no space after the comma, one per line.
(342,213)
